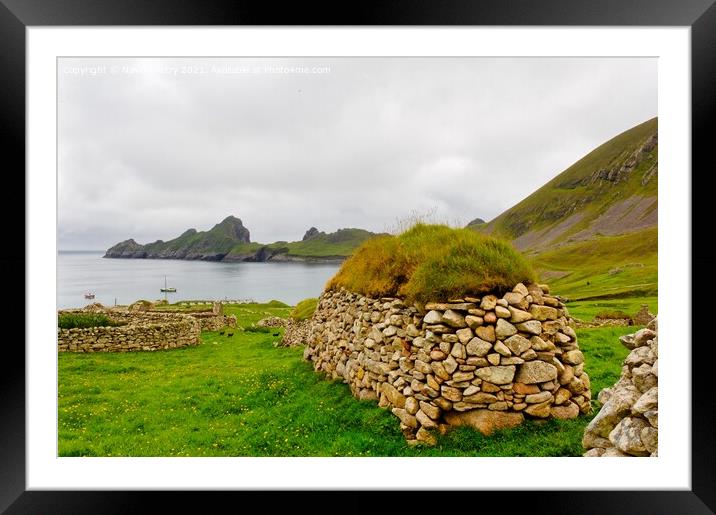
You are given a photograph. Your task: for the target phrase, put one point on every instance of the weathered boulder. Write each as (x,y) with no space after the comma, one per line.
(536,372)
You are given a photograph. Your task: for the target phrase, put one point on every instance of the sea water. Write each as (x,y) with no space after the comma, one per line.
(123,281)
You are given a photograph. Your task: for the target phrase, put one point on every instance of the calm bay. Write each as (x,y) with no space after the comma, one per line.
(123,281)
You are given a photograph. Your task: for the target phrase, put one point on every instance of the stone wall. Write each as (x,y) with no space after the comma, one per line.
(628,422)
(296,333)
(214,322)
(602,322)
(485,362)
(142,331)
(273,322)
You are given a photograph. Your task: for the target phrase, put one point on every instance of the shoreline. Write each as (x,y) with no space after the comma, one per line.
(333,260)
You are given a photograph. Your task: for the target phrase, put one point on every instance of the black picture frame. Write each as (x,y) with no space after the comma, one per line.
(16,15)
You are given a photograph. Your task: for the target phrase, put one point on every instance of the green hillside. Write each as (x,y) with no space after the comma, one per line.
(603,267)
(210,245)
(340,243)
(611,190)
(591,232)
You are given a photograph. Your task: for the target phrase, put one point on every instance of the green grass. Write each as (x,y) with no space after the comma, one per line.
(84,320)
(244,249)
(200,308)
(604,267)
(241,396)
(338,244)
(304,309)
(432,262)
(587,310)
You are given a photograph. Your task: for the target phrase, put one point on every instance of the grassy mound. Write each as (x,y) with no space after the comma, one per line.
(432,262)
(304,309)
(276,304)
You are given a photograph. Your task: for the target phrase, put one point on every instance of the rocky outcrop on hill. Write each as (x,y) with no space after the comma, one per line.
(621,171)
(311,233)
(127,249)
(628,422)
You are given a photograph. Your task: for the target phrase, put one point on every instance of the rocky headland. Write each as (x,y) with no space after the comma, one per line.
(230,241)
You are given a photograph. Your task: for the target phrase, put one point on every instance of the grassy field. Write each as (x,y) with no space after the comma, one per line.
(241,396)
(603,267)
(586,309)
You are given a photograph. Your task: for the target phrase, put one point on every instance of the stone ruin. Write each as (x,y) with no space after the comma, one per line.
(628,422)
(643,316)
(142,329)
(486,362)
(295,331)
(214,320)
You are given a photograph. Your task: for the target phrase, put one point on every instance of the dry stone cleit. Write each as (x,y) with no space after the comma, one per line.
(486,361)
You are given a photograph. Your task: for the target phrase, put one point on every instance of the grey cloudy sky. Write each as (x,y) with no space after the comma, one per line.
(151,147)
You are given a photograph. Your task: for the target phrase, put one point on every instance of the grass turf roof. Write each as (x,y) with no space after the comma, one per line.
(432,263)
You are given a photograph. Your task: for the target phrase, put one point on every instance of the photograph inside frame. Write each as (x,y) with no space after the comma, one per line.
(357,257)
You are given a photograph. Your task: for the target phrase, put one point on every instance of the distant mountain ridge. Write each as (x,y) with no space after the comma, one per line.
(230,241)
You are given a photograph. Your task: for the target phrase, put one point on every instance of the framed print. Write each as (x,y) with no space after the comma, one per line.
(296,251)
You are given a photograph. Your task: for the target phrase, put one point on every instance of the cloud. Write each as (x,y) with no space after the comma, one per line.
(150,147)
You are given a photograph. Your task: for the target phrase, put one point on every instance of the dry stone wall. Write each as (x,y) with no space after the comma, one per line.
(273,322)
(602,322)
(142,331)
(486,362)
(214,322)
(628,422)
(296,333)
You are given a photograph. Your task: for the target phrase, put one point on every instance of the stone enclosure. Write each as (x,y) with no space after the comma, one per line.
(486,362)
(141,330)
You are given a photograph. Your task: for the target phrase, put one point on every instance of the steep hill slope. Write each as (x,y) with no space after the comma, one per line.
(612,190)
(592,230)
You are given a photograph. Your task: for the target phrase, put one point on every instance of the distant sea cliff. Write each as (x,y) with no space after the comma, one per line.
(229,241)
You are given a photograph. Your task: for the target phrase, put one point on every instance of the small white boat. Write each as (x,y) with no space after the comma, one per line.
(167,289)
(89,295)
